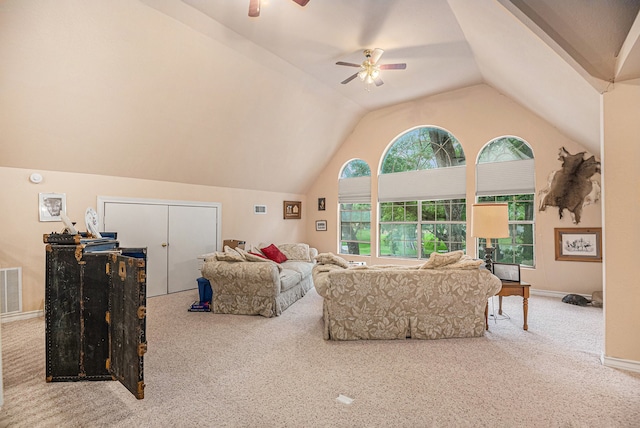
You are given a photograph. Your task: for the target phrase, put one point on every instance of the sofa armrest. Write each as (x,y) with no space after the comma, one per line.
(313,252)
(243,278)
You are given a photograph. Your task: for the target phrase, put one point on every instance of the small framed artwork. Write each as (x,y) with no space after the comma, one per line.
(50,205)
(321,225)
(292,210)
(321,204)
(579,244)
(507,271)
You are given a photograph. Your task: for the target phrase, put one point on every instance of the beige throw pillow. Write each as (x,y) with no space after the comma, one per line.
(229,255)
(438,260)
(251,257)
(465,262)
(331,259)
(295,251)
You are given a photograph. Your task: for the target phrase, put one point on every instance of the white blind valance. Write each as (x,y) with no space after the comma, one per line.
(505,178)
(429,184)
(356,190)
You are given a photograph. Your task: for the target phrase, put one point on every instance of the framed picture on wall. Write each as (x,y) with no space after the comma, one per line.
(50,205)
(292,210)
(321,204)
(579,244)
(321,225)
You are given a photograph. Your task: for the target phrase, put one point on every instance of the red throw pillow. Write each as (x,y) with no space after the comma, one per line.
(273,253)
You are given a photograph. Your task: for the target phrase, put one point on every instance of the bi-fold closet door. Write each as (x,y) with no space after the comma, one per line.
(174,234)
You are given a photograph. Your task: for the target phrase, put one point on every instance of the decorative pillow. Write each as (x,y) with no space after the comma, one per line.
(331,259)
(273,253)
(256,250)
(252,257)
(229,255)
(295,251)
(437,260)
(465,262)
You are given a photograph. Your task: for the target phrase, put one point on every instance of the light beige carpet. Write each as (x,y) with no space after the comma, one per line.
(214,370)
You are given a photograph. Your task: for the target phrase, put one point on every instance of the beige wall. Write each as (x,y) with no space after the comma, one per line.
(118,88)
(21,231)
(474,116)
(621,152)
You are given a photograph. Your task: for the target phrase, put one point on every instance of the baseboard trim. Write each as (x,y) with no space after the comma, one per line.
(21,316)
(618,363)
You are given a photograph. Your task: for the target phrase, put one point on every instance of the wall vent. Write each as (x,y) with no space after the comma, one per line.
(11,290)
(259,209)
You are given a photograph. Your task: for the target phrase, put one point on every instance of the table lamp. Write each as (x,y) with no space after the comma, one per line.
(489,221)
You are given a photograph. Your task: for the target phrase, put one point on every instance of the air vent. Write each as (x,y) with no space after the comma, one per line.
(11,290)
(259,209)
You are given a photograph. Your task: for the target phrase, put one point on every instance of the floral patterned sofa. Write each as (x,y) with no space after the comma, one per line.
(249,283)
(446,297)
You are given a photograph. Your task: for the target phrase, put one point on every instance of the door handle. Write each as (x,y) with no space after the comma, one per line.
(164,244)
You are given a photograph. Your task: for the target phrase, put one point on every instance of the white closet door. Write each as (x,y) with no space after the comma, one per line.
(192,232)
(141,225)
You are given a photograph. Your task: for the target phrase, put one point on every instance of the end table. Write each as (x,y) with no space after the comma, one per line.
(513,288)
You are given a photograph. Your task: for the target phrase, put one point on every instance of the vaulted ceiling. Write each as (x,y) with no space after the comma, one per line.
(195,91)
(550,56)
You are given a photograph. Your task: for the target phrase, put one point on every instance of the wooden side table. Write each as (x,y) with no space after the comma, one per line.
(511,288)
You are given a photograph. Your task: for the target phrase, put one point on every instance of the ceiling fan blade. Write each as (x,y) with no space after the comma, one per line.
(393,66)
(375,55)
(348,64)
(254,8)
(302,2)
(349,79)
(378,81)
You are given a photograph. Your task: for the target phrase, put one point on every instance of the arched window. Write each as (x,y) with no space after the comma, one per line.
(354,198)
(505,173)
(422,195)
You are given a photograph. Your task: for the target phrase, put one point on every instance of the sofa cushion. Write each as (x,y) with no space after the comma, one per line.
(273,253)
(288,279)
(303,268)
(295,251)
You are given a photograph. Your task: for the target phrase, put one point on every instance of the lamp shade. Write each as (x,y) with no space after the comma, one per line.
(489,221)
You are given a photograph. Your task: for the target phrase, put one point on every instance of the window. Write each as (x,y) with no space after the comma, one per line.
(422,191)
(505,174)
(354,197)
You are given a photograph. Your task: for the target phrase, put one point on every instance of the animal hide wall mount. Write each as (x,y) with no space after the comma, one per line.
(573,186)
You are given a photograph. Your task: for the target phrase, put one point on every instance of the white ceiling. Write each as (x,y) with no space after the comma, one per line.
(221,99)
(552,57)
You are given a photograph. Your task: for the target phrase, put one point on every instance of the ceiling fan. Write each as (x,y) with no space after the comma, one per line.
(370,69)
(254,6)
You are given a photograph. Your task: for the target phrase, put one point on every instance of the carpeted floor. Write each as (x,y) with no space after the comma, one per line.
(215,370)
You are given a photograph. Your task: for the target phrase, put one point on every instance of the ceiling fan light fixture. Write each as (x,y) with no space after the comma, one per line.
(370,69)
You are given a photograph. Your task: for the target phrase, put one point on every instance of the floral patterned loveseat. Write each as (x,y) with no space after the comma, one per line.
(446,297)
(246,283)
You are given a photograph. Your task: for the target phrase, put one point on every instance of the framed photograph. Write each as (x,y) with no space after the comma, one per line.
(50,205)
(579,244)
(321,204)
(507,271)
(321,225)
(292,210)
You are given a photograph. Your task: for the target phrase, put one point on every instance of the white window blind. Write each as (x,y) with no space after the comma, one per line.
(505,178)
(429,184)
(355,190)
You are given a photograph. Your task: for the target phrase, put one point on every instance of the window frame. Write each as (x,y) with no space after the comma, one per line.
(514,150)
